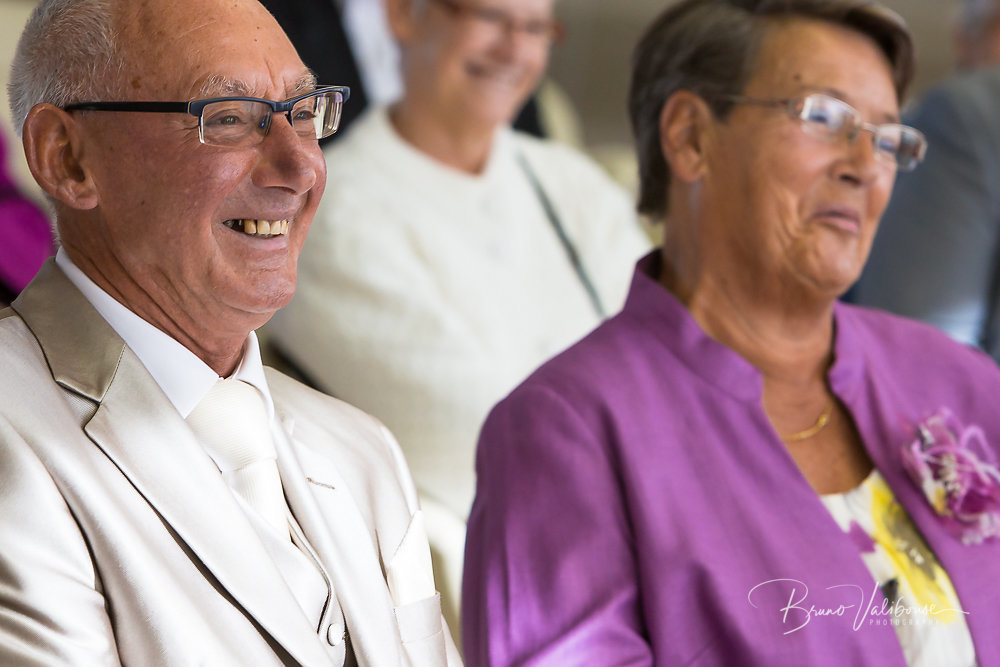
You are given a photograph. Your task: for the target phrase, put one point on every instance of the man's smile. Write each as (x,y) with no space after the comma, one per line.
(259,228)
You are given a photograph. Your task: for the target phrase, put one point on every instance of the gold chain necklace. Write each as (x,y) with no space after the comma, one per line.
(821,422)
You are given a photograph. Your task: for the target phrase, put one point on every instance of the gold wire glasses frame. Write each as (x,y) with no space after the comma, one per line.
(244,121)
(829,118)
(503,23)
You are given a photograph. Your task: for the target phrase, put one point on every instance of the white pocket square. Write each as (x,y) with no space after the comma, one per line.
(410,575)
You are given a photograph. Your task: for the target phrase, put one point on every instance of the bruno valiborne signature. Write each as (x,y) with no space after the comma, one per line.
(797,613)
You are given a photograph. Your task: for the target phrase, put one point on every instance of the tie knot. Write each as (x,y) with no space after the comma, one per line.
(231,424)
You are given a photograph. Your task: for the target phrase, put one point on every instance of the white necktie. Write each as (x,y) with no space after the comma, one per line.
(231,425)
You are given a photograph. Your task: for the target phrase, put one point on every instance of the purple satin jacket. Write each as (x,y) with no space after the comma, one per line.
(636,507)
(25,233)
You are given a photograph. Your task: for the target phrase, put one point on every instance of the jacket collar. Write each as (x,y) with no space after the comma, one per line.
(138,428)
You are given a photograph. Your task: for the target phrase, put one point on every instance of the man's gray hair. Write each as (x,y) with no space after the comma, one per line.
(68,52)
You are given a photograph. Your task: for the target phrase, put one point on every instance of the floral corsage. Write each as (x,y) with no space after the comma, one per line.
(957,472)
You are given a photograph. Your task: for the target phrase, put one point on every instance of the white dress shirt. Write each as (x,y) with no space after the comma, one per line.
(182,376)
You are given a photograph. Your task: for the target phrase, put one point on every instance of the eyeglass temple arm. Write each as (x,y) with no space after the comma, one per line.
(154,107)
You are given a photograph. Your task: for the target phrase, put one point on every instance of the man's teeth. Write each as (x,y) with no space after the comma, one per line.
(258,227)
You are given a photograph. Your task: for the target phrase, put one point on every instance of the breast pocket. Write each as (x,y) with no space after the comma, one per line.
(422,632)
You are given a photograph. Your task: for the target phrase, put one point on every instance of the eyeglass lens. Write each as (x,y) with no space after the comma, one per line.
(829,117)
(499,21)
(245,122)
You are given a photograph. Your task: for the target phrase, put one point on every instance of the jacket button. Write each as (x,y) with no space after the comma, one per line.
(335,634)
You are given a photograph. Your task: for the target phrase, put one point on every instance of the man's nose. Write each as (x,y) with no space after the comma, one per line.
(288,160)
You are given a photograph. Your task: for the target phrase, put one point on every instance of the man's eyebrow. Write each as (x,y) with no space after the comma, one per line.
(305,84)
(219,85)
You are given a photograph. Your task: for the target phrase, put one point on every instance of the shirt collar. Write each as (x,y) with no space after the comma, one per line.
(182,376)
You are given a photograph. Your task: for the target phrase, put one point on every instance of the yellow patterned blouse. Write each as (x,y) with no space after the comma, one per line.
(921,603)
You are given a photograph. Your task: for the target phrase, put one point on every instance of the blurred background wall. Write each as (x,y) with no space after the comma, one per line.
(13,14)
(592,65)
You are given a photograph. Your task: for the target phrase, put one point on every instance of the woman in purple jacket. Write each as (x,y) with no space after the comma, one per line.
(737,469)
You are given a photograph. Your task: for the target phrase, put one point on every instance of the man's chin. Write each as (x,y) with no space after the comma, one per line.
(262,305)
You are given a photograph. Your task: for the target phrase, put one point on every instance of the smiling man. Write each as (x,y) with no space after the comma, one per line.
(164,499)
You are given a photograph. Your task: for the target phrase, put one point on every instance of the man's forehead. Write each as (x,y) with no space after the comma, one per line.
(219,47)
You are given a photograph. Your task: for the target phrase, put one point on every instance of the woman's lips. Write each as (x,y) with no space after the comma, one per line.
(846,219)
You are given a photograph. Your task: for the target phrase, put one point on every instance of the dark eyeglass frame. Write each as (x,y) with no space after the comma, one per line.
(554,31)
(793,106)
(196,107)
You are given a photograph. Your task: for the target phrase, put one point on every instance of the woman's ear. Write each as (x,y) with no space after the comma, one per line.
(53,148)
(685,125)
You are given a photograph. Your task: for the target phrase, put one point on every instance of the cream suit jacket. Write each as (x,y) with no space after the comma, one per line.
(121,544)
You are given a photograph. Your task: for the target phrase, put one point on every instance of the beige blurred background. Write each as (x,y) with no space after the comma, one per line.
(591,67)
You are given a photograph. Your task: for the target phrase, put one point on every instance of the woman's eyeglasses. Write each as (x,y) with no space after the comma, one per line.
(829,118)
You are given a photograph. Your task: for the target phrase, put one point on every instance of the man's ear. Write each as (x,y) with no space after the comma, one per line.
(685,130)
(53,148)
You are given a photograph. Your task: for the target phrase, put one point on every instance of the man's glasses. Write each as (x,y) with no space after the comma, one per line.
(499,22)
(241,122)
(832,119)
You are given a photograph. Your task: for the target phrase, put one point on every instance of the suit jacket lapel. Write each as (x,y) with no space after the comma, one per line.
(325,509)
(140,431)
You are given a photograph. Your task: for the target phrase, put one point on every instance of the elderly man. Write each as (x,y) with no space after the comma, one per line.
(455,255)
(152,512)
(937,253)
